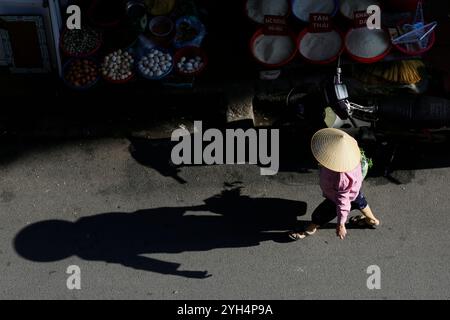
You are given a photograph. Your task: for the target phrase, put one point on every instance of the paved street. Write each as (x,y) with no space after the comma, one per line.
(139,229)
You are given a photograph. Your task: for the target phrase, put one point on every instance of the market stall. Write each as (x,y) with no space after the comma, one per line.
(123,42)
(293,33)
(172,43)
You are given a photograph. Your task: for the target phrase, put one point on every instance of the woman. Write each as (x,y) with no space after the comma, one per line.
(340,180)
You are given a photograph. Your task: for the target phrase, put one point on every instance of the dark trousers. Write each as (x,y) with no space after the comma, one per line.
(326,211)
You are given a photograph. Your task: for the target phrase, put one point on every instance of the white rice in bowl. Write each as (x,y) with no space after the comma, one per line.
(273,49)
(321,46)
(366,43)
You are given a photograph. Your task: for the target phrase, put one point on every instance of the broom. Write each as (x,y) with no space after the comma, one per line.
(405,72)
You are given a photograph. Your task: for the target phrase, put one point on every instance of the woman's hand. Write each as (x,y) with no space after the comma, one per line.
(341,231)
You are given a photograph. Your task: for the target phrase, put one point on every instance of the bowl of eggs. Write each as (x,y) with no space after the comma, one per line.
(80,74)
(190,61)
(80,43)
(155,64)
(118,67)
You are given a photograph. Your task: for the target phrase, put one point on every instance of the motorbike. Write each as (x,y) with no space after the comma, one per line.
(380,124)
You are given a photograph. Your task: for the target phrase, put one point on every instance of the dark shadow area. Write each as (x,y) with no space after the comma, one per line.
(295,155)
(124,238)
(396,160)
(406,152)
(155,155)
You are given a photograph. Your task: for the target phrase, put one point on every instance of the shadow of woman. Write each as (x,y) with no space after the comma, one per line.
(228,220)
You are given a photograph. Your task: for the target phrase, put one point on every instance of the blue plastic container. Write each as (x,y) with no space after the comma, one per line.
(194,23)
(143,53)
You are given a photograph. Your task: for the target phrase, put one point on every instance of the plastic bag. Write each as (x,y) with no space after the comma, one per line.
(190,32)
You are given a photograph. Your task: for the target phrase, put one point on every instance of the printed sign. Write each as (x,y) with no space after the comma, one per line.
(319,22)
(275,25)
(360,19)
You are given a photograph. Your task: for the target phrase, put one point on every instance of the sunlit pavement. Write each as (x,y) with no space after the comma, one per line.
(139,229)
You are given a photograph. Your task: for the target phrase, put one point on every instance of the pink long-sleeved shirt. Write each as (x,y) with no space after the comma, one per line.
(342,189)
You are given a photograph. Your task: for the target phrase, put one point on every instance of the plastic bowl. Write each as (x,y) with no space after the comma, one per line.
(79,55)
(161,20)
(122,81)
(78,88)
(334,58)
(403,49)
(374,2)
(154,78)
(194,23)
(259,33)
(190,52)
(332,14)
(364,59)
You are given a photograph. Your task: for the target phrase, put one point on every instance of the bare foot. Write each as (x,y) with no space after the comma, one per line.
(373,222)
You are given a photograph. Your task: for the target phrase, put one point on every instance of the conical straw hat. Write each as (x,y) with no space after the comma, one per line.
(336,150)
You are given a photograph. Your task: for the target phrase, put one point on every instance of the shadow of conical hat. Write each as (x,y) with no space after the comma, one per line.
(335,150)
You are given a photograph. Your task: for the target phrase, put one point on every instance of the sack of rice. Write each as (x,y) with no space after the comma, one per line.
(303,8)
(258,9)
(348,7)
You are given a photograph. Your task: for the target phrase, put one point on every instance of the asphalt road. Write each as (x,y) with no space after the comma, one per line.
(142,230)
